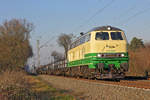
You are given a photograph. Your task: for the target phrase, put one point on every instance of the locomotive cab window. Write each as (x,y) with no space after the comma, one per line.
(102,36)
(116,36)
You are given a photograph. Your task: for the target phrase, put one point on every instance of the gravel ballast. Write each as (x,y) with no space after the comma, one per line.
(86,90)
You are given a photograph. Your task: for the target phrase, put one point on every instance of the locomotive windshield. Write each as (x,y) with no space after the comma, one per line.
(116,36)
(102,36)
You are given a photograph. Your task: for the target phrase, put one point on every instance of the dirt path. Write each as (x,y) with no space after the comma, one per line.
(86,90)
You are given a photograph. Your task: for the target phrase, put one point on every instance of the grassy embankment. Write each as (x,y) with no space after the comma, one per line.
(19,86)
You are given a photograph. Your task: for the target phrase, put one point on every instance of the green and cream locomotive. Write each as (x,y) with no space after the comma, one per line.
(101,52)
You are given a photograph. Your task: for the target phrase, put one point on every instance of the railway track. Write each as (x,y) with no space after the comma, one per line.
(130,82)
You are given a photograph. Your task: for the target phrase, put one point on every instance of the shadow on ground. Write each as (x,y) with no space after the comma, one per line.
(135,78)
(128,78)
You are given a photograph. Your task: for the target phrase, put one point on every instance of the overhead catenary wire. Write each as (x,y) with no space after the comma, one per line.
(50,40)
(41,46)
(48,57)
(127,11)
(95,14)
(135,15)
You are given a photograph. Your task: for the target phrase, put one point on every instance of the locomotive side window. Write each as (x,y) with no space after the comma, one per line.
(87,37)
(102,36)
(77,42)
(80,41)
(116,36)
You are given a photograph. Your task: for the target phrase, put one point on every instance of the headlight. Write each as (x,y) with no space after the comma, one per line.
(99,55)
(122,55)
(109,27)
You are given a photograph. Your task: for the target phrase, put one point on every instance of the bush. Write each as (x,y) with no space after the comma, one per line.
(139,61)
(136,44)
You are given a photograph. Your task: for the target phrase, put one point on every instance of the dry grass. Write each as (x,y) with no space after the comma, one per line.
(16,85)
(139,61)
(13,84)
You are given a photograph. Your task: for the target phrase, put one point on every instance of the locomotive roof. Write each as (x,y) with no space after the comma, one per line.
(101,28)
(105,28)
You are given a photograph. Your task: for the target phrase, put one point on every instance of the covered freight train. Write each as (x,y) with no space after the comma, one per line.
(100,53)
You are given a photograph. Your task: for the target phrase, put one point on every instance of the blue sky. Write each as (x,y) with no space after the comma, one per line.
(52,17)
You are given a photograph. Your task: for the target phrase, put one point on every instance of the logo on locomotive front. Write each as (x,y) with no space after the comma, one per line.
(110,46)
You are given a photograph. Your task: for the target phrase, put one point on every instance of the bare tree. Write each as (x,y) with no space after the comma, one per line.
(57,56)
(15,47)
(65,40)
